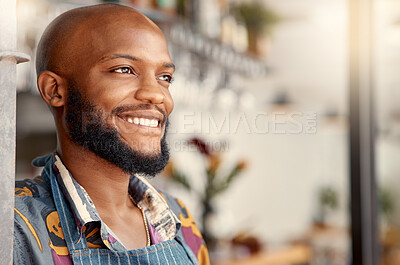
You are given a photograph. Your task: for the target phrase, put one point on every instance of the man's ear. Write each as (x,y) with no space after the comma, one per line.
(52,88)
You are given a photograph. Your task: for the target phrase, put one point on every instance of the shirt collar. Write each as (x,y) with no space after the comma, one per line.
(156,210)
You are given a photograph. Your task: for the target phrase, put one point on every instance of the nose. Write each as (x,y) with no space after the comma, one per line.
(150,91)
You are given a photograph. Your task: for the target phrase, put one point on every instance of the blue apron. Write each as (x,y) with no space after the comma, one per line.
(169,252)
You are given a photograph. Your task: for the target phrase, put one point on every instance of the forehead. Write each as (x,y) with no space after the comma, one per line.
(122,34)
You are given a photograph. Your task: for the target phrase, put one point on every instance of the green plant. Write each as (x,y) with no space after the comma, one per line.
(256,16)
(258,19)
(386,203)
(328,198)
(215,183)
(328,201)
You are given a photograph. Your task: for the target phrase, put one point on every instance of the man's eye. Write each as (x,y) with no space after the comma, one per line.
(166,78)
(123,70)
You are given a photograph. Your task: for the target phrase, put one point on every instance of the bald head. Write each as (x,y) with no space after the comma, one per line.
(101,69)
(73,34)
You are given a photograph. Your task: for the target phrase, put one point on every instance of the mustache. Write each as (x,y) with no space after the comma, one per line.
(124,108)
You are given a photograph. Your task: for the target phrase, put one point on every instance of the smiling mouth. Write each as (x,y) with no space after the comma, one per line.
(141,121)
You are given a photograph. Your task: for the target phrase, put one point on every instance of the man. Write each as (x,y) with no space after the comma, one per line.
(104,71)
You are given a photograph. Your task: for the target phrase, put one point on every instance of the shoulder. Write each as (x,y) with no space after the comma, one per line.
(33,201)
(35,218)
(32,188)
(189,230)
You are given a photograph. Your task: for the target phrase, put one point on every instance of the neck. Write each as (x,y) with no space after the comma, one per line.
(98,176)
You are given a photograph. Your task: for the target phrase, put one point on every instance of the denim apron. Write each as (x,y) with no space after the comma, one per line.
(169,252)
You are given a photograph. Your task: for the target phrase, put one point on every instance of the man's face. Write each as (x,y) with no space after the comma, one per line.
(123,78)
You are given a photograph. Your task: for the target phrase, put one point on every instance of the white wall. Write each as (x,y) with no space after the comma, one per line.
(275,197)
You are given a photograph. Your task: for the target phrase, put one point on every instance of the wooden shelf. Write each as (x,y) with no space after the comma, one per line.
(296,254)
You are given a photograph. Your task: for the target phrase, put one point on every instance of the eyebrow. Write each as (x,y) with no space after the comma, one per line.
(116,56)
(169,65)
(132,58)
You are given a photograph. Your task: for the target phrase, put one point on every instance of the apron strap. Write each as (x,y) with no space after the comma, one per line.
(73,237)
(188,250)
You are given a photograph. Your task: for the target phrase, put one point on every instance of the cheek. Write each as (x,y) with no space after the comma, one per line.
(104,90)
(107,98)
(169,102)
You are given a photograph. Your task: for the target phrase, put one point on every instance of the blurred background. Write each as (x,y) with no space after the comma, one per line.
(259,136)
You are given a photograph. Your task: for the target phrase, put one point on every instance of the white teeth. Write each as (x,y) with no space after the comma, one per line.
(142,121)
(154,123)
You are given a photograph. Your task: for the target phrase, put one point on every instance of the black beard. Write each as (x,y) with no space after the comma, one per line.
(88,128)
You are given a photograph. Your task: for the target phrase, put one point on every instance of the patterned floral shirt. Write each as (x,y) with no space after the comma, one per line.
(38,235)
